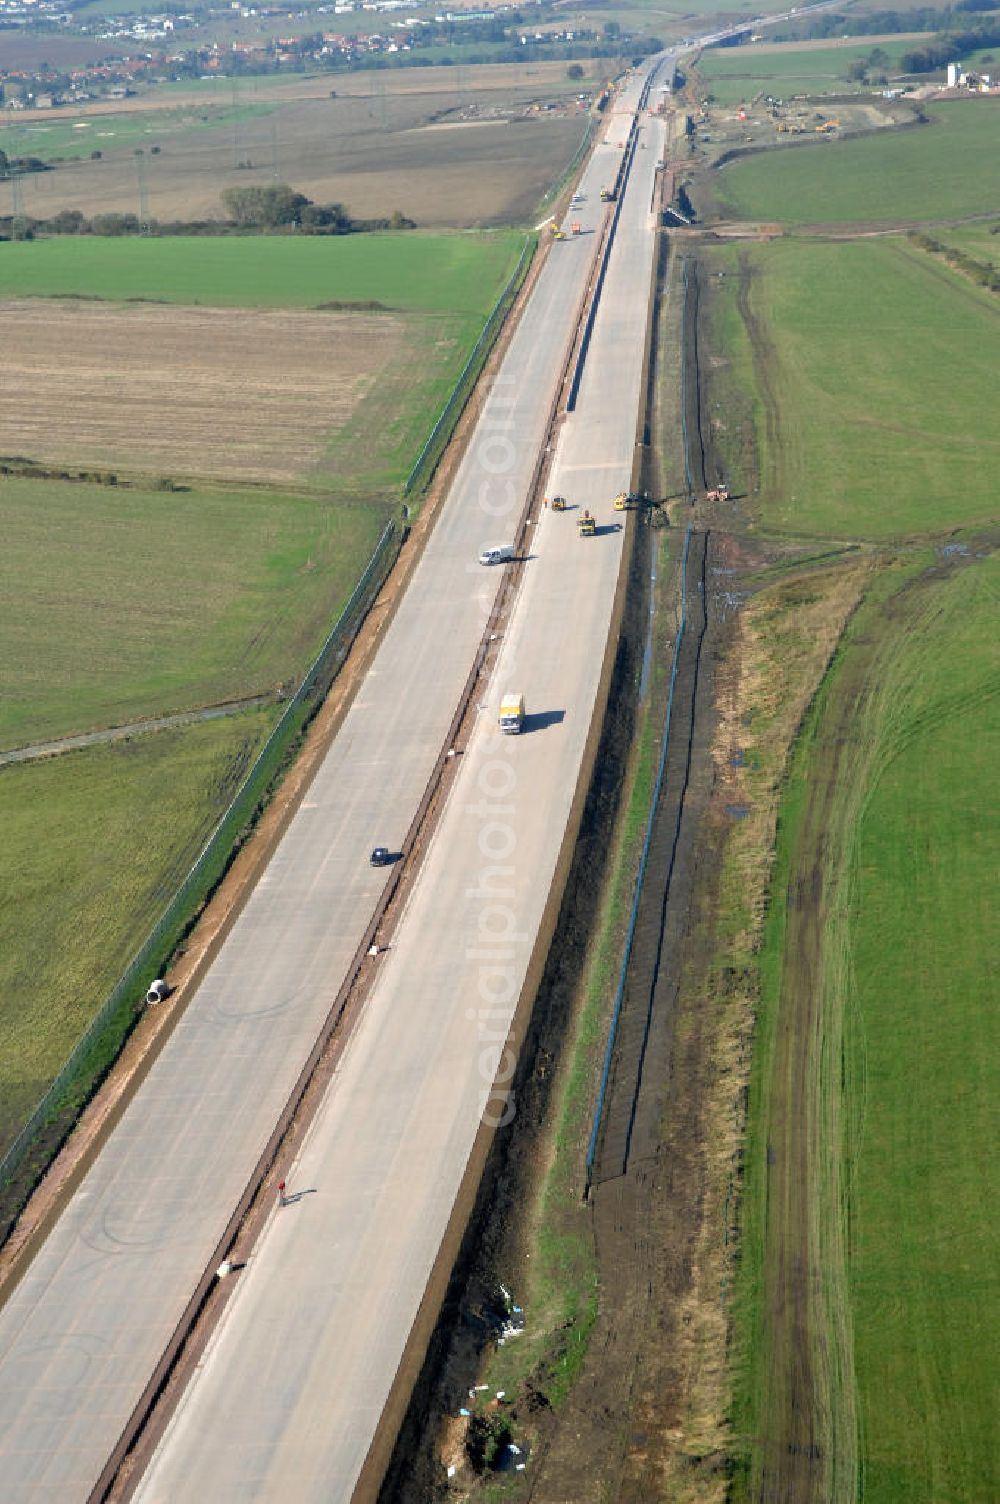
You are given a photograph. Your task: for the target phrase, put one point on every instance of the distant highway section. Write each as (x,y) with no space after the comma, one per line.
(291,1392)
(82,1333)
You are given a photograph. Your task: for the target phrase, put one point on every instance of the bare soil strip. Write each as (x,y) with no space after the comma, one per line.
(810,1453)
(630,1128)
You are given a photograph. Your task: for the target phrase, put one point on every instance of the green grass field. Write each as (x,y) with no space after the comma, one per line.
(458,274)
(865,370)
(878,975)
(94,842)
(852,381)
(68,138)
(898,1229)
(121,604)
(734,74)
(870,422)
(918,175)
(922,1042)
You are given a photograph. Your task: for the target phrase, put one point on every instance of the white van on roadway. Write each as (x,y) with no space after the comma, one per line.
(497,553)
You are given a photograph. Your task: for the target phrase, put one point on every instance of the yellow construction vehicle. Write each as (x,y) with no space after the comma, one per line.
(586,526)
(607,195)
(629,501)
(558,503)
(556,230)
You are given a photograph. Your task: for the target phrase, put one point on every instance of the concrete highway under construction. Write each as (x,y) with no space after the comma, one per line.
(303,1381)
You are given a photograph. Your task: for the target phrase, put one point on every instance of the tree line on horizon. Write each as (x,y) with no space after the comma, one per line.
(267,209)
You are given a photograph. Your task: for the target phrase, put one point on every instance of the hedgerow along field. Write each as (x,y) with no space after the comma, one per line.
(921,174)
(891,415)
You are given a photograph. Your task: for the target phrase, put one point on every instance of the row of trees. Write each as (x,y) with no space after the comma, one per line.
(934,18)
(983,273)
(950,47)
(9,165)
(276,206)
(274,209)
(862,70)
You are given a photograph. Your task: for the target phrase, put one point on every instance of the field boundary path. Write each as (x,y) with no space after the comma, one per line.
(41,750)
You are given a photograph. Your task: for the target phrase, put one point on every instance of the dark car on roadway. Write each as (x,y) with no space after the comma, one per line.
(381,856)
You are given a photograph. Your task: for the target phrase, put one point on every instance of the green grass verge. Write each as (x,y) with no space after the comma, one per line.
(122,604)
(924,173)
(457,274)
(892,415)
(136,812)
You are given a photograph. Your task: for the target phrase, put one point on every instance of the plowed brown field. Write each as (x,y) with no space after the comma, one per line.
(186,392)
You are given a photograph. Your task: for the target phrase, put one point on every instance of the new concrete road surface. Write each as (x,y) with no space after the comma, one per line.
(288,1396)
(81,1334)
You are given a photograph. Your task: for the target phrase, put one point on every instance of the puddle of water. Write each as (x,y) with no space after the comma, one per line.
(512,1459)
(738,759)
(738,811)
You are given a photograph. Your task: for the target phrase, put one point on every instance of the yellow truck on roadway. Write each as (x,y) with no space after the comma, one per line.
(586,526)
(512,714)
